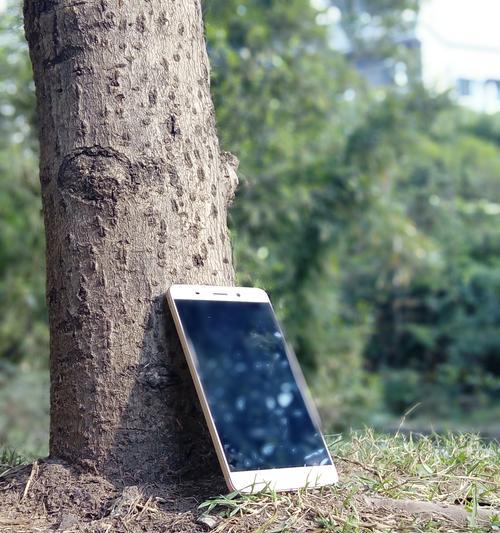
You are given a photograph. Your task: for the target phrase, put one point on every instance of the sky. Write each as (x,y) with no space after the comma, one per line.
(469,22)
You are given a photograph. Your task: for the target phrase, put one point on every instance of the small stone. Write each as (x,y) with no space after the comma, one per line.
(208,521)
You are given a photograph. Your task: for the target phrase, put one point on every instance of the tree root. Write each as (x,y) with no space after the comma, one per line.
(456,514)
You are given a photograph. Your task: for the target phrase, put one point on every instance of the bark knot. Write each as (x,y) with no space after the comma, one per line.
(95,175)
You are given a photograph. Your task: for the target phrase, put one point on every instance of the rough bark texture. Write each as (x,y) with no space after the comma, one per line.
(135,191)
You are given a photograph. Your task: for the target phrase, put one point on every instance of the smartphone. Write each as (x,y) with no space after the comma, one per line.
(263,424)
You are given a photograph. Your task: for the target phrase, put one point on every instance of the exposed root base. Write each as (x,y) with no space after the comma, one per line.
(52,496)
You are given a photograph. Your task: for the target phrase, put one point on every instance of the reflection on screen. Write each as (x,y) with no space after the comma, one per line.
(259,412)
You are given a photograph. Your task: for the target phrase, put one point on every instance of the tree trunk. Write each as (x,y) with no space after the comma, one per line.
(135,193)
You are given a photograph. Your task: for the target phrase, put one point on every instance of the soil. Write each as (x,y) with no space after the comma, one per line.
(52,496)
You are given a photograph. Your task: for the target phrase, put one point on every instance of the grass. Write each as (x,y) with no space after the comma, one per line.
(10,461)
(455,469)
(388,483)
(437,468)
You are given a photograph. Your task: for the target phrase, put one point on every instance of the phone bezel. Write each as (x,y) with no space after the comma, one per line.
(251,480)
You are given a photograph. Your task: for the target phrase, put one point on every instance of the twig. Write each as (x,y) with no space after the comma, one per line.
(361,465)
(34,470)
(145,507)
(407,413)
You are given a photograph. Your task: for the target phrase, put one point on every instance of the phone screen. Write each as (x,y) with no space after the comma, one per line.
(253,396)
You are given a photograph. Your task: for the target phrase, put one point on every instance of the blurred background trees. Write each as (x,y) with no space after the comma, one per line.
(369,208)
(24,350)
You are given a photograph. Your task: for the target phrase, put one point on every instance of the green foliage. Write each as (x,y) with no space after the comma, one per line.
(22,306)
(23,322)
(282,108)
(370,214)
(24,416)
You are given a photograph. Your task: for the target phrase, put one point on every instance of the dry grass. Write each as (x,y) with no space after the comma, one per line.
(449,483)
(388,483)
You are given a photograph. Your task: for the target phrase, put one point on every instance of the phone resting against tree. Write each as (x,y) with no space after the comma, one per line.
(263,425)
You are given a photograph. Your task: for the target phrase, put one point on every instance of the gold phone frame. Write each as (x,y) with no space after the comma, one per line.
(280,479)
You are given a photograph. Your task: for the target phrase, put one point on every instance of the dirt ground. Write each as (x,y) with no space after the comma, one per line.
(51,496)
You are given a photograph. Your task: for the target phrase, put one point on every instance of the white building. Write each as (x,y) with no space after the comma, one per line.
(460,50)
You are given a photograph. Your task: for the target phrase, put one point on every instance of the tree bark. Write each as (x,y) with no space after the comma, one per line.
(135,193)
